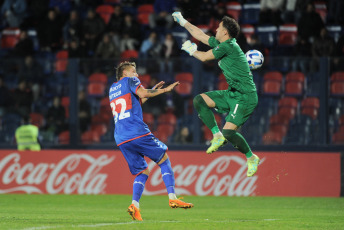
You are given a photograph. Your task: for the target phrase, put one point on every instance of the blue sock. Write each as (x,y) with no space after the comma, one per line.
(167,175)
(139,185)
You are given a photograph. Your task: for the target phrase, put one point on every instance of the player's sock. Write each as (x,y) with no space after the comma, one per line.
(167,176)
(238,141)
(205,113)
(138,187)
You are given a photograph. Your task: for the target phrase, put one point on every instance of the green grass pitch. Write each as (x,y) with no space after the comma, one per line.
(37,212)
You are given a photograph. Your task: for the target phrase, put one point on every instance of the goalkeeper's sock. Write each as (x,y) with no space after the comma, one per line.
(138,187)
(238,141)
(205,113)
(167,175)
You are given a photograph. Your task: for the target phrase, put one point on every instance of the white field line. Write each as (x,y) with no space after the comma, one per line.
(133,222)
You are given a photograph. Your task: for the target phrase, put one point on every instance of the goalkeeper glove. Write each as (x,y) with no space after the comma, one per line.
(189,47)
(178,17)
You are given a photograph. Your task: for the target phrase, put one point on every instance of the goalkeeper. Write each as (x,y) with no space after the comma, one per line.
(239,100)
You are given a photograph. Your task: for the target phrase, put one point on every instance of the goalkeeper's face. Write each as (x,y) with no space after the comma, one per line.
(221,33)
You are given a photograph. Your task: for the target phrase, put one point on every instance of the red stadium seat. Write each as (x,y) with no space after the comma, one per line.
(145,80)
(145,8)
(288,102)
(127,55)
(338,138)
(273,75)
(90,137)
(184,76)
(311,112)
(105,12)
(310,102)
(100,119)
(64,137)
(65,103)
(9,38)
(247,30)
(37,119)
(222,85)
(279,119)
(337,88)
(288,112)
(233,9)
(341,120)
(167,118)
(184,89)
(321,9)
(337,76)
(293,88)
(295,76)
(272,138)
(96,89)
(164,131)
(143,12)
(100,129)
(272,87)
(279,128)
(98,77)
(105,102)
(61,61)
(287,34)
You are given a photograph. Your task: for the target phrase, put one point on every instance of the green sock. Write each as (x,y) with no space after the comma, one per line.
(238,141)
(205,113)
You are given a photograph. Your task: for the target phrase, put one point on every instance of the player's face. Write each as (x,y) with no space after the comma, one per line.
(130,72)
(220,32)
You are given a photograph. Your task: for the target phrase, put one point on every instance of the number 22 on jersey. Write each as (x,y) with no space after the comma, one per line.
(119,107)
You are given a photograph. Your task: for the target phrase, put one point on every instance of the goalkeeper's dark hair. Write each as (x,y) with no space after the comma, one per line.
(122,66)
(231,26)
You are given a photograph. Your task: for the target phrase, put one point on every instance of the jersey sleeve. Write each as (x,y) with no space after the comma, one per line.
(213,42)
(134,83)
(222,50)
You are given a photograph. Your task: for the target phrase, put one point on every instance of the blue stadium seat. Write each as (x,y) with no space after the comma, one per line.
(250,13)
(268,35)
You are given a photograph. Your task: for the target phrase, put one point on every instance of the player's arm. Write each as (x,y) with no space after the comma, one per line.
(146,93)
(191,49)
(157,86)
(193,30)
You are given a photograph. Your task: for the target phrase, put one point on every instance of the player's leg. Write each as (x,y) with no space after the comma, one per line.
(243,107)
(168,178)
(203,104)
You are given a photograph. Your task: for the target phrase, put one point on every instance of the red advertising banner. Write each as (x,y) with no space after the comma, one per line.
(196,173)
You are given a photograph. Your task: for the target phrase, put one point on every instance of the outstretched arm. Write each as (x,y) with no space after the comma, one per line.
(193,30)
(146,93)
(191,49)
(157,86)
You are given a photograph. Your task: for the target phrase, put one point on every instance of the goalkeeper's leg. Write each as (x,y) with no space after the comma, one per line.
(204,112)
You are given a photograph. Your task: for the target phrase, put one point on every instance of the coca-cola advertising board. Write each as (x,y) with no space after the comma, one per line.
(196,173)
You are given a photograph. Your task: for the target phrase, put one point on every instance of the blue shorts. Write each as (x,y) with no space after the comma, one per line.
(134,152)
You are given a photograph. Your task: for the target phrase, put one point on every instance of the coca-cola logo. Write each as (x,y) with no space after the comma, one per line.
(225,175)
(76,173)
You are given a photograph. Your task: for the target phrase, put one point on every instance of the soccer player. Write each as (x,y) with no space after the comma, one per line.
(239,100)
(134,138)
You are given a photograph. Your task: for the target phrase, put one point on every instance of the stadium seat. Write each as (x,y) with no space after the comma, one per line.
(100,119)
(145,80)
(164,131)
(288,102)
(233,10)
(105,102)
(127,55)
(145,8)
(312,102)
(335,31)
(61,61)
(105,12)
(143,19)
(184,77)
(279,128)
(287,34)
(247,30)
(100,129)
(268,35)
(271,87)
(337,88)
(310,111)
(167,118)
(90,137)
(222,85)
(321,9)
(65,103)
(37,119)
(250,13)
(288,112)
(64,137)
(295,76)
(32,33)
(337,76)
(96,89)
(272,138)
(143,12)
(338,138)
(9,38)
(279,119)
(273,75)
(184,89)
(293,88)
(98,77)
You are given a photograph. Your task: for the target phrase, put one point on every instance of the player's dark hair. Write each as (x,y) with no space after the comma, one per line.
(122,66)
(231,26)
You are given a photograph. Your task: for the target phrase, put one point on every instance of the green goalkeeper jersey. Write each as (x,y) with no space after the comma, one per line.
(233,64)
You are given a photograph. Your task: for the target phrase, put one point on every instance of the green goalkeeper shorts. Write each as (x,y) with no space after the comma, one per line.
(239,106)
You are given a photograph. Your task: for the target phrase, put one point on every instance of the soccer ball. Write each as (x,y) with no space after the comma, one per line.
(254,58)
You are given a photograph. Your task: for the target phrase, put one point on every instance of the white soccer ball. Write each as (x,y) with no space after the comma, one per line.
(254,58)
